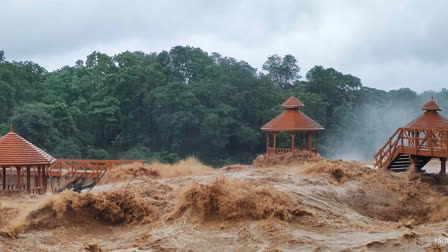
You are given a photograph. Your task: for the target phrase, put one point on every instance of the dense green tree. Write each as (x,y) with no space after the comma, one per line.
(185,101)
(284,72)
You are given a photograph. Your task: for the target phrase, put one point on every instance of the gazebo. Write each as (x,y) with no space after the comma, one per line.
(292,120)
(416,143)
(18,154)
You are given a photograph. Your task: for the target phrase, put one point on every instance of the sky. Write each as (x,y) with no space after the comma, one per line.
(388,44)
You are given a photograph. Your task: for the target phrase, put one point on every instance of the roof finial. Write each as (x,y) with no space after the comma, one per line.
(432,98)
(10,129)
(292,94)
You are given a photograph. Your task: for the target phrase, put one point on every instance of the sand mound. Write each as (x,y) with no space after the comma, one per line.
(232,200)
(292,158)
(68,208)
(187,167)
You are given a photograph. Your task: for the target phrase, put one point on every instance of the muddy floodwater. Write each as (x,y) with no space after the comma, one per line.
(295,203)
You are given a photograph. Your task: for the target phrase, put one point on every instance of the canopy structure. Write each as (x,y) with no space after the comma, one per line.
(291,120)
(17,153)
(430,119)
(416,143)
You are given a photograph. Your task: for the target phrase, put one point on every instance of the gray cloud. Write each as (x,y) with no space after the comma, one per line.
(388,44)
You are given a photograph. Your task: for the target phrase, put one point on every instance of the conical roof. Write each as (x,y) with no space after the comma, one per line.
(431,106)
(15,151)
(292,119)
(430,119)
(292,103)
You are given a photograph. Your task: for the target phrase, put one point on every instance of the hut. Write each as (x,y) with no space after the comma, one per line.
(19,158)
(292,120)
(416,143)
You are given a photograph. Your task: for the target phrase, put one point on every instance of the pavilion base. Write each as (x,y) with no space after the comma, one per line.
(11,184)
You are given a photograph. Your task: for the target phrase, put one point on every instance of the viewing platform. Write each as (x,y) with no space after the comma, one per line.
(417,143)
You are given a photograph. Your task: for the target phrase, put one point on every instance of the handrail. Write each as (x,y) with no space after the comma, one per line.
(434,142)
(89,167)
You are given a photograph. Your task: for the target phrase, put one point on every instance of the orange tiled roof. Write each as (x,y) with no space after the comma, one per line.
(292,102)
(15,150)
(431,119)
(431,105)
(292,119)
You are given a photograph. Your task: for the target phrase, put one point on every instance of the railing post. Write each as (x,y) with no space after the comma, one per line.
(401,138)
(415,142)
(431,141)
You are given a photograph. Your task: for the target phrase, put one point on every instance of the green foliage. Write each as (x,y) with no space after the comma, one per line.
(283,72)
(169,105)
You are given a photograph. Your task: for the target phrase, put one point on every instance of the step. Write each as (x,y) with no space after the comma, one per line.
(398,169)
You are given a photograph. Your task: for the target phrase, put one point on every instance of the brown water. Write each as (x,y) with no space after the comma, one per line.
(308,205)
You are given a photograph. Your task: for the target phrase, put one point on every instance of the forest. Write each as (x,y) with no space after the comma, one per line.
(188,102)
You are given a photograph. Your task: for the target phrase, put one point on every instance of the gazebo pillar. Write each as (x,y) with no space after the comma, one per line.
(44,178)
(18,185)
(4,178)
(275,142)
(293,135)
(39,176)
(315,139)
(442,165)
(309,140)
(28,179)
(35,177)
(267,142)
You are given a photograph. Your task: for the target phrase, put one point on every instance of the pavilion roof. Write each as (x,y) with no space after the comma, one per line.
(16,151)
(292,119)
(431,105)
(292,102)
(430,119)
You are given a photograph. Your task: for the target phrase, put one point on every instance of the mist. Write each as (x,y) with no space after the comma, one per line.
(375,121)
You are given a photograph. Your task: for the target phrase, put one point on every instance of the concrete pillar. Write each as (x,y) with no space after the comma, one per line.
(442,165)
(413,161)
(293,135)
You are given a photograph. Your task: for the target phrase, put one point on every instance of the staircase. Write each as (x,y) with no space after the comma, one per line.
(419,144)
(402,163)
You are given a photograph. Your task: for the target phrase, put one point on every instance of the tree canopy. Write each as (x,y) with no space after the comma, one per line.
(185,101)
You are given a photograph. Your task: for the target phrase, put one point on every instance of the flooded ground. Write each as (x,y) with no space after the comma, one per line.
(297,203)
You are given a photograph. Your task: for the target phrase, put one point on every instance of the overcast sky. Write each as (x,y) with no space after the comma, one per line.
(388,44)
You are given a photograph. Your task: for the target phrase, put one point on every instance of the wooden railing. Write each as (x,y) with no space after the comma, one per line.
(420,142)
(85,168)
(286,150)
(15,188)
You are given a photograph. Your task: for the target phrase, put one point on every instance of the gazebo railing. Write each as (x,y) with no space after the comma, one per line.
(287,150)
(15,188)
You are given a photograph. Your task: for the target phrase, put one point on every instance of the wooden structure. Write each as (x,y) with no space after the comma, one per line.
(292,120)
(85,168)
(417,143)
(22,159)
(21,156)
